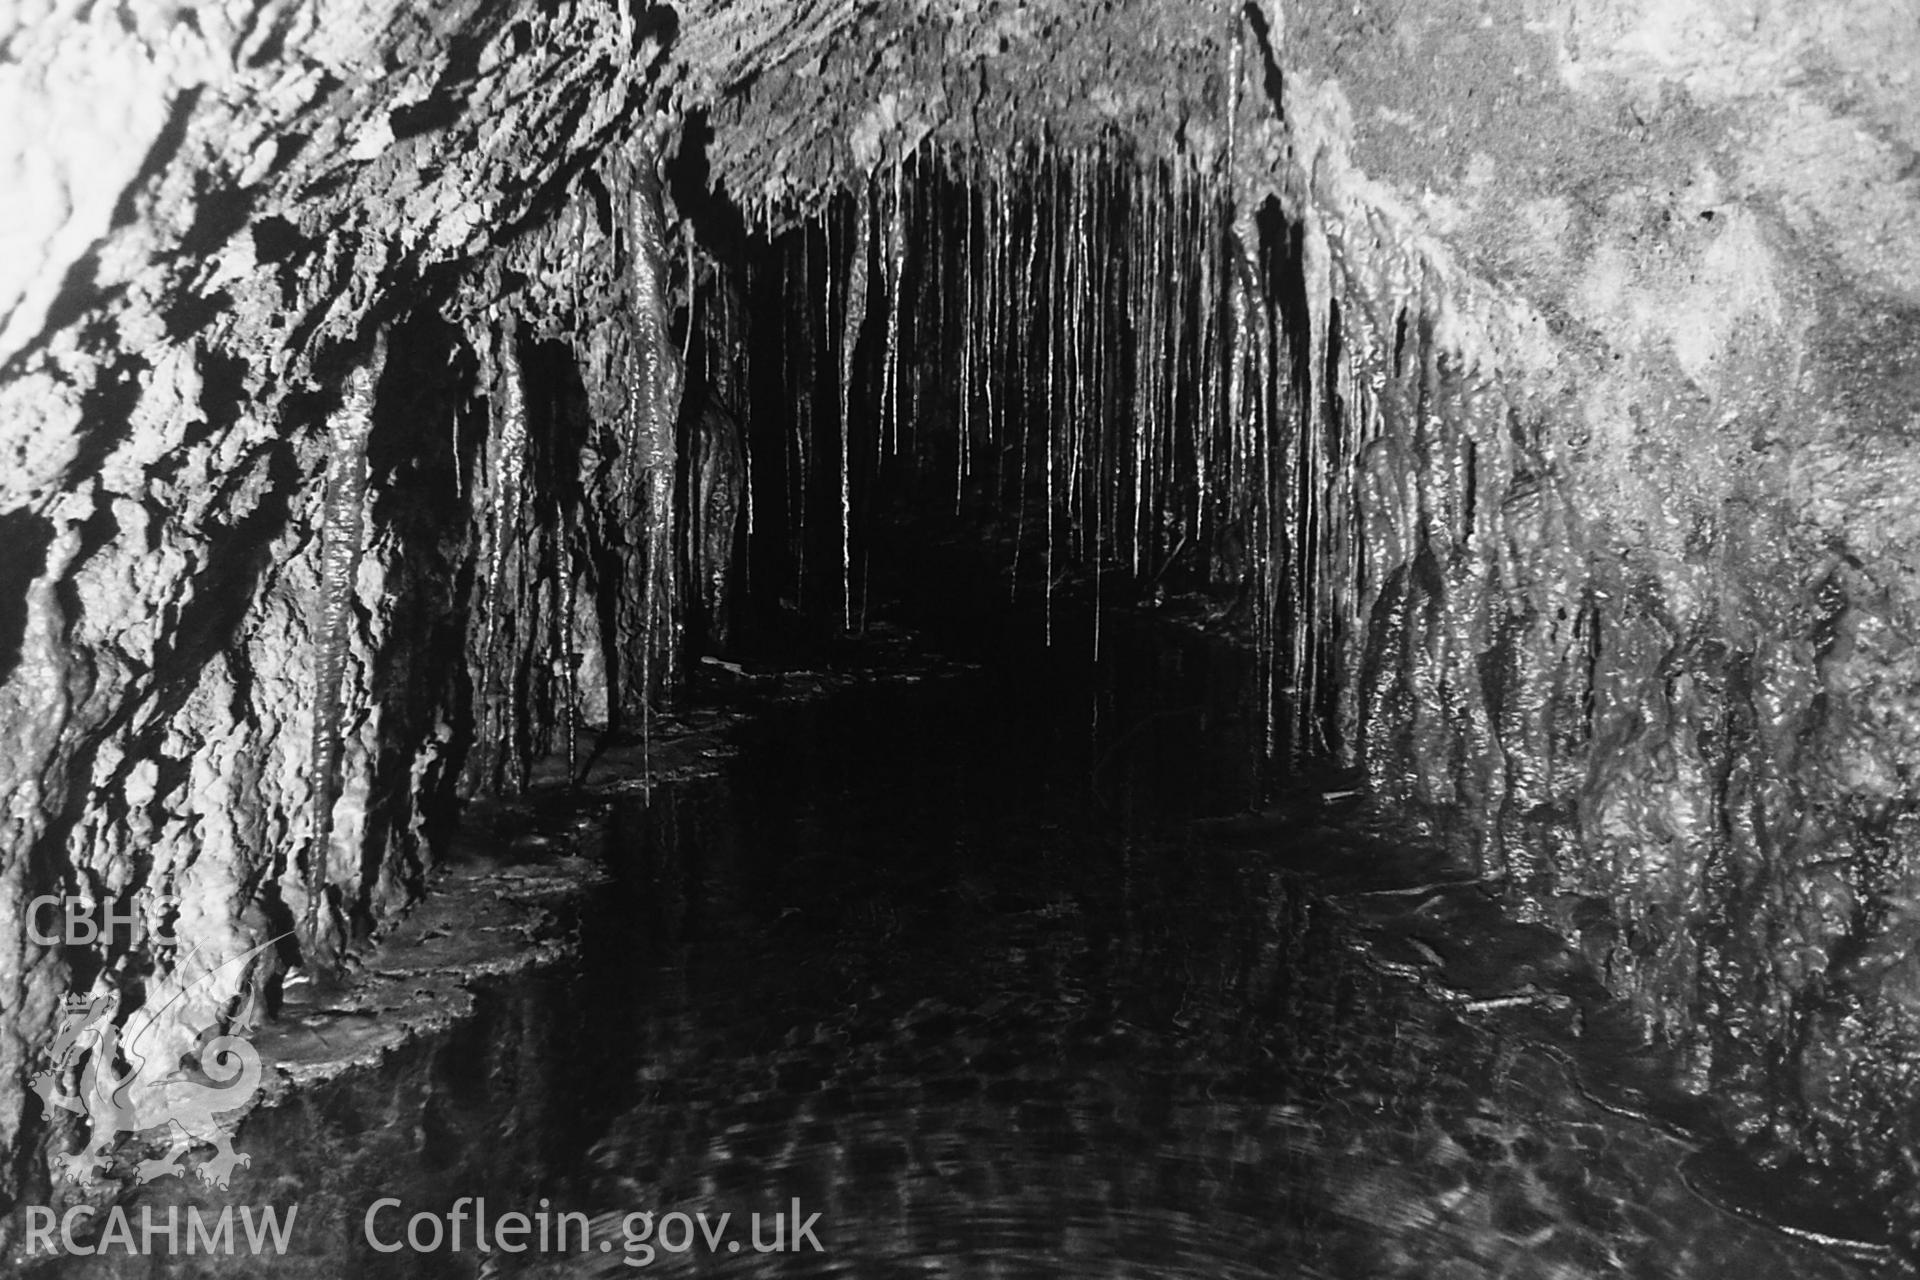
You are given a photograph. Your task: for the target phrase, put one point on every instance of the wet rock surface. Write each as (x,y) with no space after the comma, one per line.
(949,957)
(1532,384)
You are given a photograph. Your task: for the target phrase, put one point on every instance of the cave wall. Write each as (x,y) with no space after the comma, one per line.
(1663,663)
(1599,322)
(270,466)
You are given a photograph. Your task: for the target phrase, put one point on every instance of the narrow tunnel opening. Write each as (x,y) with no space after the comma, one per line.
(1031,384)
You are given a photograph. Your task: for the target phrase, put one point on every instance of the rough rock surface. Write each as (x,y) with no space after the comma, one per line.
(1688,681)
(217,217)
(1601,320)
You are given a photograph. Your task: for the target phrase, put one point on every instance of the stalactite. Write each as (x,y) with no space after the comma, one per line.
(896,269)
(856,315)
(342,536)
(969,337)
(1242,407)
(799,384)
(564,661)
(1179,357)
(1000,292)
(1080,317)
(1148,356)
(1207,481)
(654,379)
(742,354)
(503,615)
(1052,337)
(1025,306)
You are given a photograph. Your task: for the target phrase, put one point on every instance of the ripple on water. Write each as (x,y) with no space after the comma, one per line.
(894,965)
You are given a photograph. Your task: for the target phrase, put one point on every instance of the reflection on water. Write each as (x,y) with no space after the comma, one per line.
(943,963)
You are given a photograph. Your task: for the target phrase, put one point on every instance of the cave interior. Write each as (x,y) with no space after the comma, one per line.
(1500,406)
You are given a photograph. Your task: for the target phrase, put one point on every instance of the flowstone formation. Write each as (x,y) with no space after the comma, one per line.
(398,400)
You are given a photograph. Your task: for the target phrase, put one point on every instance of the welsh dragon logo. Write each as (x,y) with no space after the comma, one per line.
(147,1096)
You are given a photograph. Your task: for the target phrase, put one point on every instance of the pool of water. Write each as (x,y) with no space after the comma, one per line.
(958,971)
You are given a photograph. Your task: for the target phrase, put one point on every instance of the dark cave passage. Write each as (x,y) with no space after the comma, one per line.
(1123,410)
(1180,637)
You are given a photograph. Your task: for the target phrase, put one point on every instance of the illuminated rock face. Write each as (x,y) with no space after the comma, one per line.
(1547,372)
